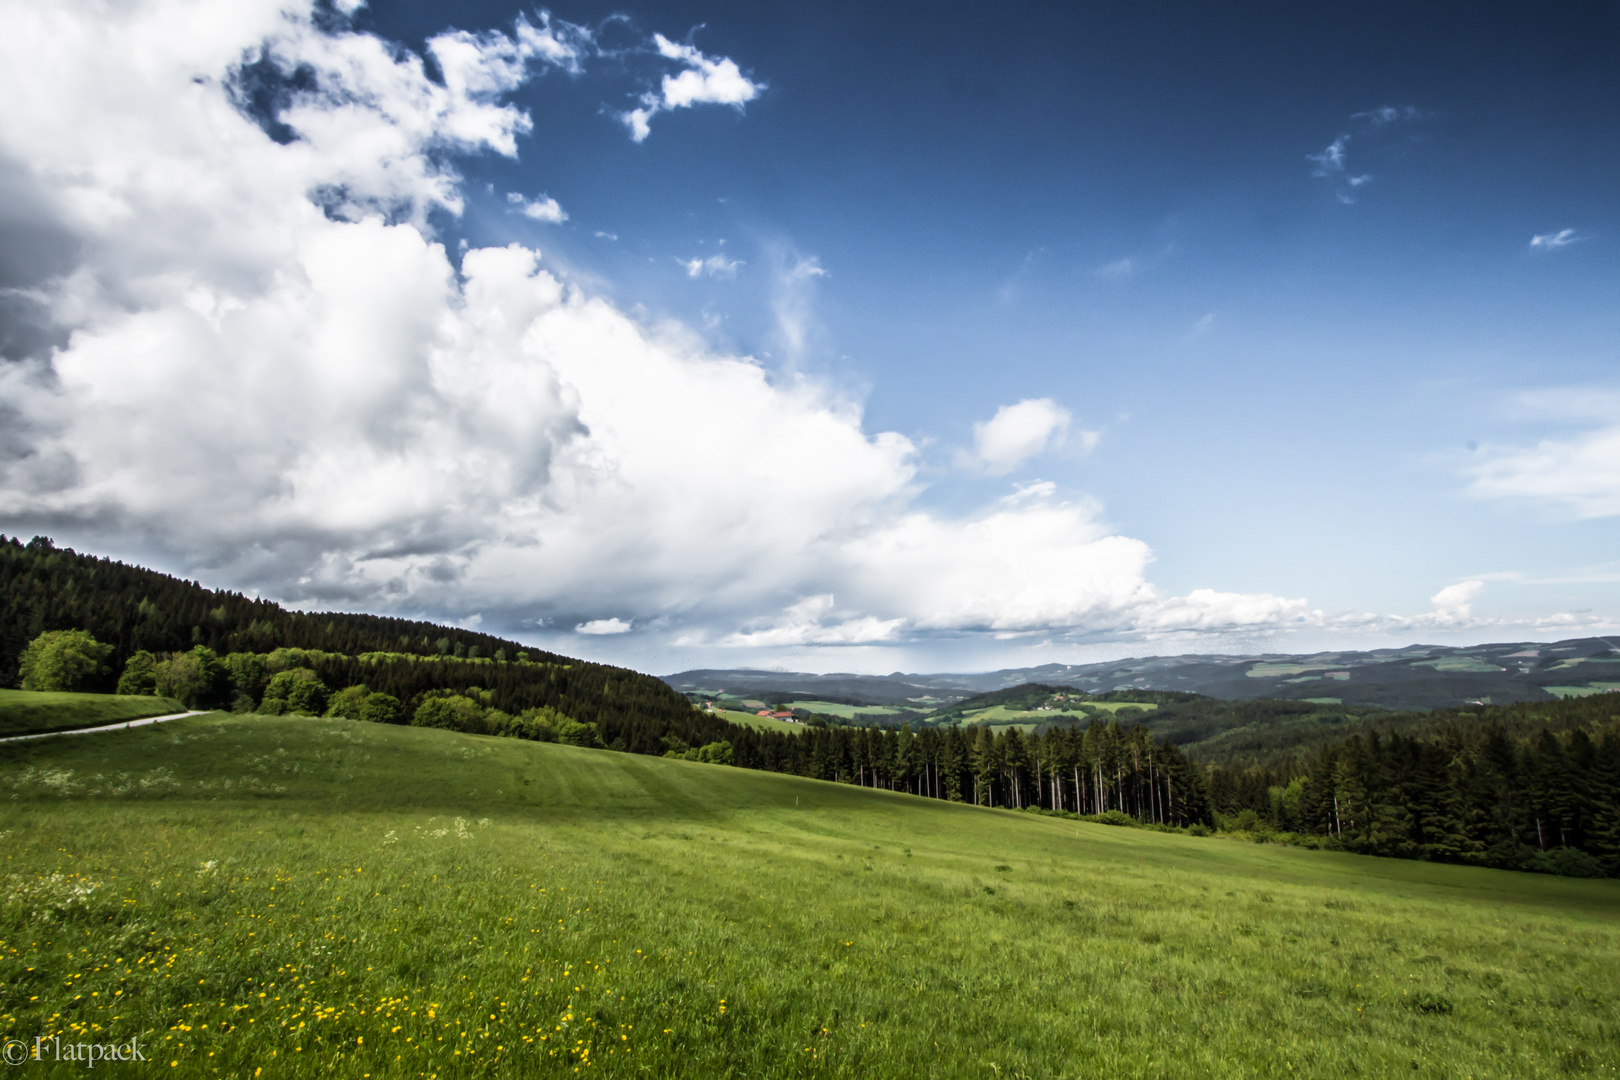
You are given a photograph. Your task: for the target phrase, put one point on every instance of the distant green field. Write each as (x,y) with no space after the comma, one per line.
(849,712)
(23,711)
(1270,670)
(1002,716)
(1115,706)
(759,723)
(1458,663)
(1592,664)
(286,897)
(1583,691)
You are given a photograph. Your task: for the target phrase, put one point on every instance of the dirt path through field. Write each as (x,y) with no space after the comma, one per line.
(119,726)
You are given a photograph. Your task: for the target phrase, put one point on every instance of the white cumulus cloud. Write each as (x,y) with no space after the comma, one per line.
(601,627)
(1019,432)
(269,372)
(705,80)
(543,208)
(1455,602)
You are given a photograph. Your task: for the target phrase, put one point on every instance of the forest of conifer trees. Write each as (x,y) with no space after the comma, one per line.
(1101,768)
(1491,792)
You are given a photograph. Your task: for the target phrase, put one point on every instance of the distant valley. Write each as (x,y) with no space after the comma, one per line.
(1415,677)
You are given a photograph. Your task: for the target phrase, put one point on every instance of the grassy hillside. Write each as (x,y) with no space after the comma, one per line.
(316,897)
(24,711)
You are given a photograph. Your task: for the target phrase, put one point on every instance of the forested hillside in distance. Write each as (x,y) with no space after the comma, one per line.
(1284,736)
(1412,677)
(43,587)
(1212,730)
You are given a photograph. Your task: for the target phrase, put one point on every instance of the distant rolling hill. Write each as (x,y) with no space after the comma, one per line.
(907,691)
(1414,677)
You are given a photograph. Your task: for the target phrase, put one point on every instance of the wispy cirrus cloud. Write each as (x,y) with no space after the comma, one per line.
(1576,471)
(1204,325)
(1333,164)
(1554,240)
(793,292)
(715,266)
(1389,114)
(711,80)
(1118,270)
(1330,166)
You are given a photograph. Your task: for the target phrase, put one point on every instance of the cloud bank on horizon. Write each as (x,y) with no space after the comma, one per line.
(247,352)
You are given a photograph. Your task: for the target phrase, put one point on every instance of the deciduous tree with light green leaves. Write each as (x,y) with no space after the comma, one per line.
(62,660)
(381,709)
(140,674)
(197,679)
(296,690)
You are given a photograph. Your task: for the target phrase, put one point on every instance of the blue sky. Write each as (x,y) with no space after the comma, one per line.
(1119,210)
(1316,309)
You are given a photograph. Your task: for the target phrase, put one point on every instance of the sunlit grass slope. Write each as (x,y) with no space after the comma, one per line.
(23,711)
(326,898)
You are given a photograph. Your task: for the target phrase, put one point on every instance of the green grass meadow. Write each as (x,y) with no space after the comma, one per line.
(850,712)
(1583,691)
(1029,719)
(24,711)
(292,897)
(758,723)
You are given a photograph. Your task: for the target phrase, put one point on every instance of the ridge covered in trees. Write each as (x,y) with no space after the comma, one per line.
(139,611)
(43,587)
